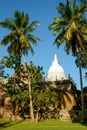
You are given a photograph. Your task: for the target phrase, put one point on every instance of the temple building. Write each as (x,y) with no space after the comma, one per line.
(57,79)
(55,72)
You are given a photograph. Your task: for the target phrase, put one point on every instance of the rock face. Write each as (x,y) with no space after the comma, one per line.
(67,92)
(55,72)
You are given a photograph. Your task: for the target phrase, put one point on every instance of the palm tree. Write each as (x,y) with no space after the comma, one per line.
(20,40)
(71,29)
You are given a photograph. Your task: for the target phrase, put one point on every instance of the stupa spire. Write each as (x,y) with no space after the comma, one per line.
(55,59)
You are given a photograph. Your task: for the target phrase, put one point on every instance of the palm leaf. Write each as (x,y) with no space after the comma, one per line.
(60,38)
(19,39)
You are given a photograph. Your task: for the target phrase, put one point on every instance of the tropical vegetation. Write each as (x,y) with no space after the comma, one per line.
(29,95)
(71,30)
(20,40)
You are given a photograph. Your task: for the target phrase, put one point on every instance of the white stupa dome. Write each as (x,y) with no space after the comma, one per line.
(55,72)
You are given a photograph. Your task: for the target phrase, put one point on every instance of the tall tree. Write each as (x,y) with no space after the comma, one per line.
(83,62)
(71,29)
(17,85)
(20,40)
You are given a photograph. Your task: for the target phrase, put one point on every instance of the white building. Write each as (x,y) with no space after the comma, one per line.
(55,72)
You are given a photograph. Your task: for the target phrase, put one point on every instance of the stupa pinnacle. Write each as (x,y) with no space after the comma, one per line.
(55,72)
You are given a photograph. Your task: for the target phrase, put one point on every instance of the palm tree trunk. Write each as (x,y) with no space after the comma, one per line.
(81,86)
(30,96)
(82,94)
(29,89)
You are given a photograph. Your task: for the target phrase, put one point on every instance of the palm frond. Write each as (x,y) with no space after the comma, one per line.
(67,46)
(71,26)
(60,38)
(8,38)
(8,24)
(19,39)
(32,26)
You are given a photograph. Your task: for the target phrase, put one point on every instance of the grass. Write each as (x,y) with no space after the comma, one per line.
(43,125)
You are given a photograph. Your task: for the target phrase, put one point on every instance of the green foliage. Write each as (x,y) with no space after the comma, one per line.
(44,97)
(36,73)
(17,85)
(20,39)
(12,61)
(82,61)
(71,26)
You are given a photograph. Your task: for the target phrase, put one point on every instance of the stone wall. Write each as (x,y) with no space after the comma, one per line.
(73,115)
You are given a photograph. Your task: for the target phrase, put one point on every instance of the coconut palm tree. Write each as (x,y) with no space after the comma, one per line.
(71,30)
(20,40)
